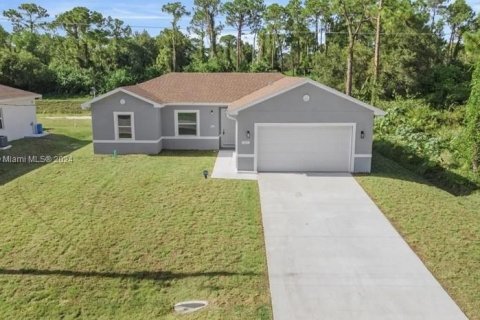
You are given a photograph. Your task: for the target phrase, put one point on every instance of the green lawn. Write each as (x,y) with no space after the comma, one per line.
(68,106)
(127,237)
(443,229)
(66,136)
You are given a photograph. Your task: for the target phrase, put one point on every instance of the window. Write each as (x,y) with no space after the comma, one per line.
(1,119)
(124,125)
(187,123)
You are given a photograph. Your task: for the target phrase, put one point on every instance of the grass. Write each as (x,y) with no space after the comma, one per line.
(443,229)
(70,106)
(65,137)
(127,237)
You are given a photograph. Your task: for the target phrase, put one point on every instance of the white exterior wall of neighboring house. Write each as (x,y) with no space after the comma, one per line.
(18,118)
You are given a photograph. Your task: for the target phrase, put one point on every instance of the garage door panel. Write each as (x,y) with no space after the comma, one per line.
(304,148)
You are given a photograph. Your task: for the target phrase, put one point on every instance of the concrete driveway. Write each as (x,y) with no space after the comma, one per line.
(333,255)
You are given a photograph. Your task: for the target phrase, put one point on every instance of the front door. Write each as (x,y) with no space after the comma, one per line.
(227,130)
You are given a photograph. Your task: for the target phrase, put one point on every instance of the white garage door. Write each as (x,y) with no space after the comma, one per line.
(302,147)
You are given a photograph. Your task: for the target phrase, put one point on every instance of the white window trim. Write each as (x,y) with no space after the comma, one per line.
(115,121)
(197,112)
(2,119)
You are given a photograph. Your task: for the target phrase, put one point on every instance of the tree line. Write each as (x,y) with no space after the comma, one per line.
(372,49)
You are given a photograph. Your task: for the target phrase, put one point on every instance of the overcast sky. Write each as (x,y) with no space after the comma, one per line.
(144,14)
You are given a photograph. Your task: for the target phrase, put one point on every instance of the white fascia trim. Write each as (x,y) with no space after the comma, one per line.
(156,141)
(197,112)
(376,111)
(316,124)
(88,104)
(229,116)
(115,124)
(190,138)
(32,97)
(127,141)
(306,124)
(206,104)
(362,155)
(246,171)
(245,155)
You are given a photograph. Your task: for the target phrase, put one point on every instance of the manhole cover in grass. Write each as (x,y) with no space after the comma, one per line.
(189,306)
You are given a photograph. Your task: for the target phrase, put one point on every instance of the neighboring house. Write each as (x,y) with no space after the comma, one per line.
(274,122)
(17,112)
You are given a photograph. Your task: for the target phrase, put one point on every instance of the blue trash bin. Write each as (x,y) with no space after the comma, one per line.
(39,128)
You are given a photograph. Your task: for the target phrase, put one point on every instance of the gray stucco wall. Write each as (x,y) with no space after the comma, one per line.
(151,124)
(190,144)
(127,148)
(209,120)
(289,107)
(209,127)
(363,164)
(147,118)
(245,164)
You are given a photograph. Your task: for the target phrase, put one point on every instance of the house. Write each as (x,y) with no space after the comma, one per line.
(273,122)
(17,113)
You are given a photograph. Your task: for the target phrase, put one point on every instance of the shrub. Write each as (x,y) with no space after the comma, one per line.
(25,71)
(72,80)
(116,79)
(425,140)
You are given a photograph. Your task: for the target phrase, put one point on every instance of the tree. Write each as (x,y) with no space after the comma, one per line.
(317,10)
(240,14)
(410,50)
(459,16)
(255,27)
(84,29)
(139,56)
(472,44)
(473,106)
(207,11)
(24,70)
(473,119)
(28,16)
(376,55)
(435,7)
(355,14)
(228,41)
(3,37)
(118,33)
(299,36)
(274,19)
(177,10)
(183,53)
(198,26)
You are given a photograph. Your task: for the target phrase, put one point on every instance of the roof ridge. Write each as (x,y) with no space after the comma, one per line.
(213,74)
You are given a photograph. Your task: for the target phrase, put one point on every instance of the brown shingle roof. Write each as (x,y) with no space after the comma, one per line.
(235,90)
(203,87)
(267,91)
(7,93)
(143,93)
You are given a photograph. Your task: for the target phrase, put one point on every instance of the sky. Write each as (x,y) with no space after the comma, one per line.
(140,14)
